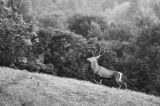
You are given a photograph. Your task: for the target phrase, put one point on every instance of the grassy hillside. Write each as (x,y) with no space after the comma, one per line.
(21,88)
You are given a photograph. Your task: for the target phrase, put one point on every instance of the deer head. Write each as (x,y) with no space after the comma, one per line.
(94,58)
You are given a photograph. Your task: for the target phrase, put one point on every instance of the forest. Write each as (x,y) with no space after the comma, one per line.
(57,36)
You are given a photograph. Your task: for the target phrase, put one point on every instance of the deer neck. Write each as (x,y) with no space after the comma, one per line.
(94,66)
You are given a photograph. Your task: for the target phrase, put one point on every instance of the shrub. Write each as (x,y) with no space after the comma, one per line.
(54,20)
(87,26)
(116,32)
(15,37)
(147,50)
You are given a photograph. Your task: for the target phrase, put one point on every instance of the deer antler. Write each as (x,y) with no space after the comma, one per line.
(94,52)
(102,51)
(97,53)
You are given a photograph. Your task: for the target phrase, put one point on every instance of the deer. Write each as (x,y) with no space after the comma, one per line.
(104,73)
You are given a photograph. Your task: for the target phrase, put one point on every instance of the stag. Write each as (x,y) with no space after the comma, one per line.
(104,73)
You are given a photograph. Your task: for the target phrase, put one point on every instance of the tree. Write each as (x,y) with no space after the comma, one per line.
(16,36)
(148,51)
(87,26)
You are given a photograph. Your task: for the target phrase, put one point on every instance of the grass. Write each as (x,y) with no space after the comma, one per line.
(21,88)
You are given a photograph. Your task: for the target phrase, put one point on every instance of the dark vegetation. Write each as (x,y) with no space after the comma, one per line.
(60,46)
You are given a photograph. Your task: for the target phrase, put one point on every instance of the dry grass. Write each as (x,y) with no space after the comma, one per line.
(21,88)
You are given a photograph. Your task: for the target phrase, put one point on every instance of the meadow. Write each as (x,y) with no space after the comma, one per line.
(21,88)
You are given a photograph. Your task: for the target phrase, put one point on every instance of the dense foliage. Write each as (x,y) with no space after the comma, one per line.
(59,45)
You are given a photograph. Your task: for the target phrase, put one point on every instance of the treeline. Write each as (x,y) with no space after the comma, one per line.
(60,45)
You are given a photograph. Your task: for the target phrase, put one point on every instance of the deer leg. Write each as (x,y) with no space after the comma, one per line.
(117,78)
(119,85)
(100,81)
(100,78)
(96,81)
(125,85)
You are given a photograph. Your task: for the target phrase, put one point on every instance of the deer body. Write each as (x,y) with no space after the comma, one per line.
(101,71)
(106,73)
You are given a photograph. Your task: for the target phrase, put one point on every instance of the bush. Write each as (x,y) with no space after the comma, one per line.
(64,53)
(15,37)
(40,68)
(96,26)
(21,46)
(148,50)
(56,20)
(87,26)
(116,32)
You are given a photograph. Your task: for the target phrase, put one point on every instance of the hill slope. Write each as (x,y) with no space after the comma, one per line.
(21,88)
